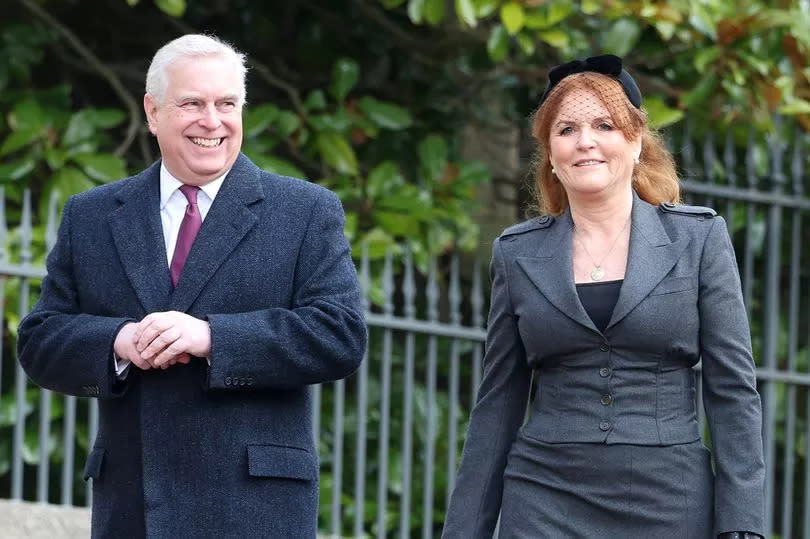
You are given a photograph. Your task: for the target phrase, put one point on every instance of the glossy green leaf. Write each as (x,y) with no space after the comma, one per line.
(316,100)
(70,181)
(105,118)
(666,29)
(389,4)
(337,152)
(526,42)
(378,242)
(175,8)
(133,2)
(416,10)
(590,7)
(340,121)
(706,56)
(702,21)
(465,10)
(345,74)
(15,170)
(432,152)
(434,11)
(701,92)
(79,128)
(271,163)
(621,37)
(548,15)
(397,224)
(795,106)
(20,139)
(555,38)
(660,114)
(498,43)
(287,122)
(473,173)
(102,167)
(385,115)
(256,119)
(485,8)
(513,17)
(28,115)
(382,179)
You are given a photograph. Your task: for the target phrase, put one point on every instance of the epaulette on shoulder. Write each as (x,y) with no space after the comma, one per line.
(543,221)
(683,209)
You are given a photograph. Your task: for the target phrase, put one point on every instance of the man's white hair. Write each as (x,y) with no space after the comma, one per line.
(191,46)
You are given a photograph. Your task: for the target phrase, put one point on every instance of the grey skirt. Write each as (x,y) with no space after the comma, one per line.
(598,490)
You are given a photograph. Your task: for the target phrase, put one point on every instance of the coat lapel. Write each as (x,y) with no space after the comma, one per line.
(551,271)
(138,237)
(651,256)
(227,222)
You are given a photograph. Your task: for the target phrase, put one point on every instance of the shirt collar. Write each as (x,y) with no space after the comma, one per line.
(169,184)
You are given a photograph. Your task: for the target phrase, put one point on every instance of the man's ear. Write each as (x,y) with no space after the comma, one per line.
(150,108)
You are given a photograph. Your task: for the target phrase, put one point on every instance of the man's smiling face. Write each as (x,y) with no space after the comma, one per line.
(198,123)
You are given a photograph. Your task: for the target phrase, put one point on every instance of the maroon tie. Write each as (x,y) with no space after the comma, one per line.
(188,231)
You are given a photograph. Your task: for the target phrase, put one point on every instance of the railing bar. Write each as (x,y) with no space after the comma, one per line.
(20,382)
(316,392)
(438,329)
(740,194)
(432,293)
(409,294)
(43,468)
(92,432)
(69,442)
(337,457)
(385,399)
(360,442)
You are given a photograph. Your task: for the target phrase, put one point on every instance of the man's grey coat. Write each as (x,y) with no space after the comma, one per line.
(680,302)
(194,451)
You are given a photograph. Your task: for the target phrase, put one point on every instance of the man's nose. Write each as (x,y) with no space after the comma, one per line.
(210,117)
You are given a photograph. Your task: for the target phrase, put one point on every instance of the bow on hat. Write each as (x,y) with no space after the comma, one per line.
(606,64)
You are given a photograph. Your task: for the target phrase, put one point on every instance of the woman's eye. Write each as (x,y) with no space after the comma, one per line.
(566,130)
(604,126)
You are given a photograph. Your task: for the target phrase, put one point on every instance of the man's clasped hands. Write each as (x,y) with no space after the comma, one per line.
(163,339)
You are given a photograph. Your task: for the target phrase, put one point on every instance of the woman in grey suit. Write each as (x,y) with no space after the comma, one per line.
(609,300)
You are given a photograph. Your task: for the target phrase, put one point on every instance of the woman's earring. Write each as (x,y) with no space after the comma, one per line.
(554,171)
(636,160)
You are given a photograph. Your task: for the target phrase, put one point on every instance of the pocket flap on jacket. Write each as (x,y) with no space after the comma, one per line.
(92,467)
(282,461)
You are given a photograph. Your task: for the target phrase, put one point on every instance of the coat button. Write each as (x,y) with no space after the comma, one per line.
(250,381)
(604,347)
(227,380)
(241,381)
(604,426)
(606,399)
(604,372)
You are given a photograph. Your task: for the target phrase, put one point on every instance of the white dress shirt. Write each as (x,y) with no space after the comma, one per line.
(173,204)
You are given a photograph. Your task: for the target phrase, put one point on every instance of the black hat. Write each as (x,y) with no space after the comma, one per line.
(606,64)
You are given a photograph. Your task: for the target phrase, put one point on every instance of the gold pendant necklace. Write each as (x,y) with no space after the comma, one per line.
(598,272)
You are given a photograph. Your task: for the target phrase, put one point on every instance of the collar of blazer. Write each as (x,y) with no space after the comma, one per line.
(546,260)
(137,233)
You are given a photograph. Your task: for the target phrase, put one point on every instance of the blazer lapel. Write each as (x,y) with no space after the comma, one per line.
(651,256)
(227,222)
(551,271)
(138,237)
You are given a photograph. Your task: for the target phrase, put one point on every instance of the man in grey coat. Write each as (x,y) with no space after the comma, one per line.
(197,300)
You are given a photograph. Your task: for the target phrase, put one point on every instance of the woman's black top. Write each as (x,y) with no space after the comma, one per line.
(599,299)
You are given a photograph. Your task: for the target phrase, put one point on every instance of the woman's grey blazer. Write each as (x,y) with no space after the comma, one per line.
(680,303)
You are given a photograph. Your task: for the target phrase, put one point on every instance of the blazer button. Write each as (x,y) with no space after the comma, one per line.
(604,426)
(250,381)
(227,380)
(604,347)
(606,399)
(604,372)
(241,381)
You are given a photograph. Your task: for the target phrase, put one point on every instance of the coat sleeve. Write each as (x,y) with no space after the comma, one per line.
(731,400)
(495,419)
(322,337)
(61,348)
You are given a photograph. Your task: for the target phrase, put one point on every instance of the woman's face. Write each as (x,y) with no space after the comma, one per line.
(590,155)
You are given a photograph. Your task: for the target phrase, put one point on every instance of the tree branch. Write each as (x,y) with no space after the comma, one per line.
(129,101)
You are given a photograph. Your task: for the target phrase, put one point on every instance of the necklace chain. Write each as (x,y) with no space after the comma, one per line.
(598,273)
